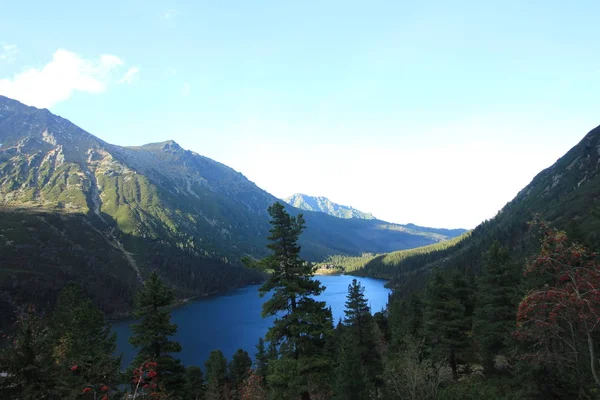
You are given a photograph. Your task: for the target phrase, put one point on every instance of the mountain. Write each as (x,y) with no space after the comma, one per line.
(77,208)
(567,195)
(324,205)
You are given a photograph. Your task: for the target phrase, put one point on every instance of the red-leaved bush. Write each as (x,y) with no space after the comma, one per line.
(564,312)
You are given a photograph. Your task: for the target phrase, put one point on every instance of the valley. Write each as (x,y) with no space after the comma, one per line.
(125,211)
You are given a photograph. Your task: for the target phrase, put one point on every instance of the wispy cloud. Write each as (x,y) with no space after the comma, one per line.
(8,52)
(64,75)
(186,89)
(130,76)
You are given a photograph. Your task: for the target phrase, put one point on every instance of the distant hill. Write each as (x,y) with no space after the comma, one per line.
(324,205)
(567,195)
(73,207)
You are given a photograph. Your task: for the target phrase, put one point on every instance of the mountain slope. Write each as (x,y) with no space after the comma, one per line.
(324,205)
(155,206)
(567,194)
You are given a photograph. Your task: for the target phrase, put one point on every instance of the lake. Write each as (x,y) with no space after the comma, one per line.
(232,321)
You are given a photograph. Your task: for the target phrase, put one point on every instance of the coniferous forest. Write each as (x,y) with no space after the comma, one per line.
(510,331)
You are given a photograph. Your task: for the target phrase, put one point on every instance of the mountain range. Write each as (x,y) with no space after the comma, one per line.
(74,207)
(324,205)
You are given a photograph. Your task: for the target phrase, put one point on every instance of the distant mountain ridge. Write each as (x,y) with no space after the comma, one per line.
(105,216)
(324,205)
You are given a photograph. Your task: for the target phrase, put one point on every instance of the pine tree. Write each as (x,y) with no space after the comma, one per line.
(194,385)
(83,340)
(497,300)
(262,360)
(239,370)
(302,323)
(446,323)
(351,381)
(216,376)
(152,335)
(27,361)
(360,334)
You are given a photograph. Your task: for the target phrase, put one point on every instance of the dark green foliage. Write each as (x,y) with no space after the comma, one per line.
(82,339)
(360,335)
(262,360)
(497,299)
(447,323)
(351,380)
(26,358)
(302,324)
(152,334)
(239,370)
(217,382)
(358,367)
(477,389)
(194,383)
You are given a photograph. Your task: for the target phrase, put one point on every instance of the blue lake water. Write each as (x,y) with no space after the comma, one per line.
(232,321)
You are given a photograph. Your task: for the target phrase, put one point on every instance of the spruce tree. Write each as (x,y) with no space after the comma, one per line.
(262,359)
(194,383)
(83,340)
(152,335)
(303,323)
(351,381)
(239,370)
(446,324)
(497,299)
(360,334)
(217,387)
(28,370)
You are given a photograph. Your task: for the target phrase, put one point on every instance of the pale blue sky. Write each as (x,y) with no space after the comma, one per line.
(435,113)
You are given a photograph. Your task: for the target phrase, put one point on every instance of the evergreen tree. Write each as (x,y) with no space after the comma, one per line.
(83,340)
(446,324)
(239,370)
(351,381)
(26,361)
(497,300)
(302,323)
(360,331)
(152,335)
(216,376)
(262,360)
(194,383)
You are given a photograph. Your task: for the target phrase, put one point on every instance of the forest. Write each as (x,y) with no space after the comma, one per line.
(510,330)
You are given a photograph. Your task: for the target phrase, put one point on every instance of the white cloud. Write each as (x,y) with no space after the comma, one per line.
(130,76)
(8,52)
(186,89)
(60,78)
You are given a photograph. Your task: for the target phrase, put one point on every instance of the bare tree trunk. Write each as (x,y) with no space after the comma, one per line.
(592,350)
(453,365)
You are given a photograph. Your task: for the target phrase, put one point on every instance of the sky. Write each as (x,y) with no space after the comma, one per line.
(435,113)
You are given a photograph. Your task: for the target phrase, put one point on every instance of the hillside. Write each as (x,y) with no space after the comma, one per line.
(324,205)
(124,211)
(567,195)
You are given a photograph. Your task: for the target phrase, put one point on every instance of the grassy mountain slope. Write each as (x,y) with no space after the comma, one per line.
(567,194)
(134,209)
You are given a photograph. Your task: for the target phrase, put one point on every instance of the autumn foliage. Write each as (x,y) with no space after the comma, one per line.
(560,317)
